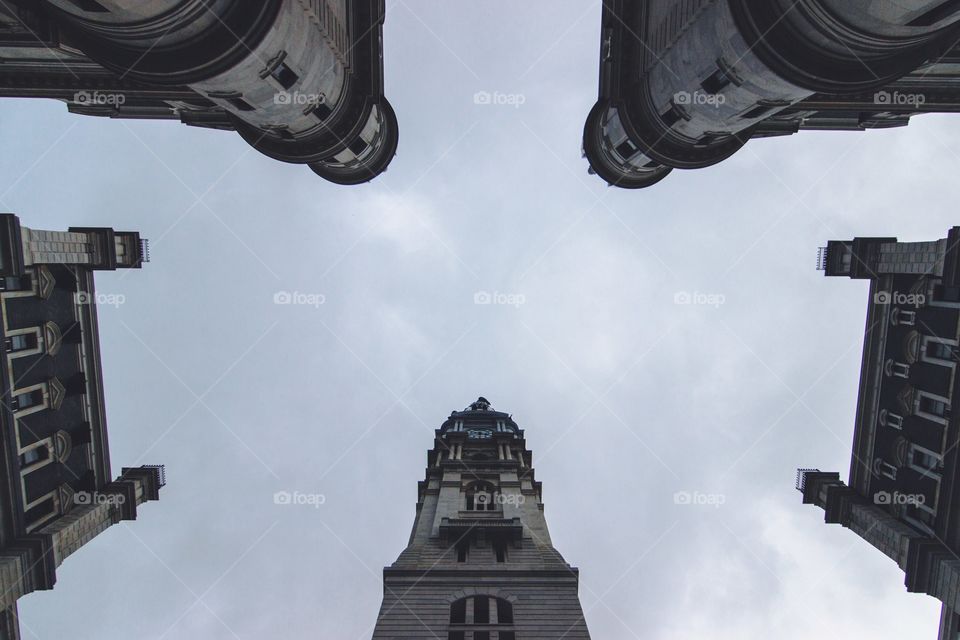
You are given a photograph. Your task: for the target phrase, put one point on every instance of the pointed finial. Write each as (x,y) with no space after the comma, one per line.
(482,404)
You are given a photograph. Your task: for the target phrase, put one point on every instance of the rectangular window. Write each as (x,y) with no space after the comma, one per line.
(37,454)
(507,635)
(481,635)
(481,610)
(458,612)
(462,553)
(26,400)
(924,460)
(932,406)
(500,550)
(941,351)
(41,511)
(21,342)
(504,612)
(626,149)
(241,104)
(456,635)
(716,82)
(284,75)
(321,111)
(672,115)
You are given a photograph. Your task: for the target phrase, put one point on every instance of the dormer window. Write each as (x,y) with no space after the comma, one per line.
(280,72)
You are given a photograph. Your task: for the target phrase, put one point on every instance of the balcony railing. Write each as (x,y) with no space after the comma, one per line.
(822,259)
(144,250)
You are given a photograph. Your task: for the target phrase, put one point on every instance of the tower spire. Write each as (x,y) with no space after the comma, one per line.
(480,564)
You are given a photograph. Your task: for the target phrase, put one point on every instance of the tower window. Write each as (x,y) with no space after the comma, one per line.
(716,82)
(462,553)
(241,104)
(481,496)
(478,626)
(627,149)
(284,75)
(481,610)
(504,612)
(672,115)
(458,612)
(321,111)
(500,550)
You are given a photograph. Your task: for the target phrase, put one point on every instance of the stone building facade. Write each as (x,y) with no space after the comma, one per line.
(480,564)
(900,493)
(684,84)
(57,491)
(300,80)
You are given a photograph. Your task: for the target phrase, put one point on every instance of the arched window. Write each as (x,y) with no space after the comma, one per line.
(481,618)
(481,496)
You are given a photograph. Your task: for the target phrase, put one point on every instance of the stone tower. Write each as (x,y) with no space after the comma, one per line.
(480,564)
(300,80)
(685,84)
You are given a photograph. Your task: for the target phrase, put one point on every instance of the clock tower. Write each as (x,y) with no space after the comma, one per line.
(480,564)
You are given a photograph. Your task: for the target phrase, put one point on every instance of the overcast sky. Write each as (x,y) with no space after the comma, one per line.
(626,397)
